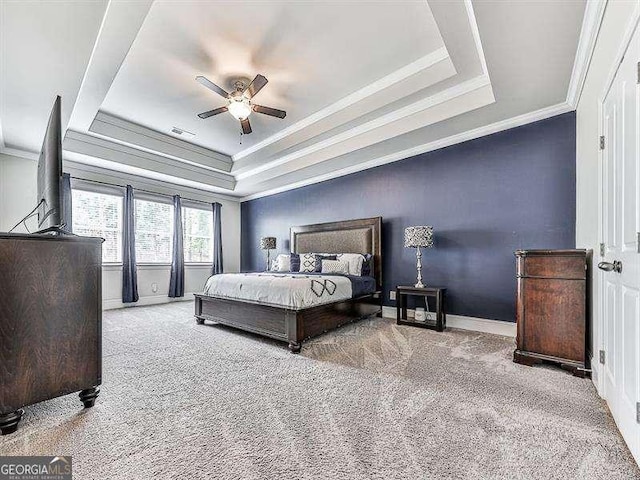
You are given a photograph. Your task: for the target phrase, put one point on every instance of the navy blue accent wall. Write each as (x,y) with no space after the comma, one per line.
(485,198)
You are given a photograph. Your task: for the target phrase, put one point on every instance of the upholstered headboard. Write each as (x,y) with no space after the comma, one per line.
(349,236)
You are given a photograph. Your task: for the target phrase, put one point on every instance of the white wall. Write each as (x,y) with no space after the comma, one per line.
(18,182)
(194,277)
(609,40)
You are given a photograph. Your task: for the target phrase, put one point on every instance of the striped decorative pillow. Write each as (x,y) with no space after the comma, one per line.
(295,262)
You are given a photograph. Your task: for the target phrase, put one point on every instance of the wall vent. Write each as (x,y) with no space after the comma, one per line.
(182,132)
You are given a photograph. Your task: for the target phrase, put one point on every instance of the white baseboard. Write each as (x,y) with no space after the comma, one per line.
(485,325)
(114,303)
(595,375)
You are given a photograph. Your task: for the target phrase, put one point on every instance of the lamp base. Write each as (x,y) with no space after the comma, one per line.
(419,283)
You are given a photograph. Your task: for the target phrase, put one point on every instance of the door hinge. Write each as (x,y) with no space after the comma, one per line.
(638,242)
(601,142)
(602,357)
(602,249)
(638,72)
(638,412)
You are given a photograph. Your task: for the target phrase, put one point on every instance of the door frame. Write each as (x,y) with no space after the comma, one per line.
(597,307)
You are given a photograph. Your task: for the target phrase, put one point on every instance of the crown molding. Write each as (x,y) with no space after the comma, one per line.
(14,152)
(384,120)
(1,137)
(591,22)
(101,148)
(473,24)
(496,127)
(136,135)
(402,74)
(141,178)
(95,173)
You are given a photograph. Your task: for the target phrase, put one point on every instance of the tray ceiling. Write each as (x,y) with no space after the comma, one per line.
(313,54)
(362,84)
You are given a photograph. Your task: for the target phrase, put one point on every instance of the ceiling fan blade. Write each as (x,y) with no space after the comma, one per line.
(212,86)
(255,86)
(213,112)
(274,112)
(246,126)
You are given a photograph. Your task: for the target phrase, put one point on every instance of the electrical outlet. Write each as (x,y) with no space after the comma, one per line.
(392,295)
(154,287)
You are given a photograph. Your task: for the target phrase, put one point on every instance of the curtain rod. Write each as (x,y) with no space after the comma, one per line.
(140,190)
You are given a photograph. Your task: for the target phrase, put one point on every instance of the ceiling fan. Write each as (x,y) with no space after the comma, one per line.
(239,101)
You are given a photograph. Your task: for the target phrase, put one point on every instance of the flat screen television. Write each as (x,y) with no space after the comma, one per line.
(50,171)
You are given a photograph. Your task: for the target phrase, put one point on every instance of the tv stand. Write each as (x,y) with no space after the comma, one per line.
(50,321)
(56,230)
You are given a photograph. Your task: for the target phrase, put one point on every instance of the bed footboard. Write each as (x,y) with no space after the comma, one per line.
(292,326)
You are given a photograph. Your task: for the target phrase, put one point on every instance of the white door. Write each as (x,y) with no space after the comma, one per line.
(620,265)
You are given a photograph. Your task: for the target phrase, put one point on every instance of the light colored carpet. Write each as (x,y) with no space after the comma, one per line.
(369,401)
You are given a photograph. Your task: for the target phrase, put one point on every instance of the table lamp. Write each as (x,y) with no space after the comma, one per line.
(268,244)
(418,237)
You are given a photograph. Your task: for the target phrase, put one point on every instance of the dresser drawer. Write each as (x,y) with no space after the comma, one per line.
(554,322)
(553,266)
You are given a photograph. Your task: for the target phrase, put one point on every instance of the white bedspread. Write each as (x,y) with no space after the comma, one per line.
(280,289)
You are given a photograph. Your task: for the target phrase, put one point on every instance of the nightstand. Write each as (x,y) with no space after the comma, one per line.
(437,293)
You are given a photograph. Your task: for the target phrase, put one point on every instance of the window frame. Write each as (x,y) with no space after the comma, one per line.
(103,190)
(162,199)
(118,191)
(198,206)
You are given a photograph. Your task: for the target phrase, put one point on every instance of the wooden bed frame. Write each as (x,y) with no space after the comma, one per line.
(295,326)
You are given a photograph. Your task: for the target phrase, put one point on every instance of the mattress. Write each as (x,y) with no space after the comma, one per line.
(289,290)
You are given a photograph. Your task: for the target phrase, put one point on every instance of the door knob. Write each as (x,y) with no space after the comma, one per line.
(616,266)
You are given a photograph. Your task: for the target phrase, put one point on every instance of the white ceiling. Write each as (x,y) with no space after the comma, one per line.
(44,51)
(312,55)
(363,82)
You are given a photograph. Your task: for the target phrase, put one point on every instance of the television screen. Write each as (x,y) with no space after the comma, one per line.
(50,171)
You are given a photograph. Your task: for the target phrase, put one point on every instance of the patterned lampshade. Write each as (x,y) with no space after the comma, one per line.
(419,236)
(268,243)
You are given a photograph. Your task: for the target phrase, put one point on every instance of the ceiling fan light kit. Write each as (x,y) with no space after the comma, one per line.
(240,106)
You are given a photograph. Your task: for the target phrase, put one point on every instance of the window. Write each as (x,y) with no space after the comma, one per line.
(99,215)
(197,226)
(154,231)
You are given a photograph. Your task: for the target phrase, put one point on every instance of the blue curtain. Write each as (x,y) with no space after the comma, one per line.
(176,283)
(66,216)
(129,269)
(217,239)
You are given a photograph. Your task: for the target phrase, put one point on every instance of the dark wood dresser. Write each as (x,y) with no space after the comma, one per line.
(553,308)
(50,321)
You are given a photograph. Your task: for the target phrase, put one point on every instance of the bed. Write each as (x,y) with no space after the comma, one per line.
(293,323)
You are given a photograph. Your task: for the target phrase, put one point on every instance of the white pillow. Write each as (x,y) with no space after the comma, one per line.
(335,266)
(282,263)
(355,262)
